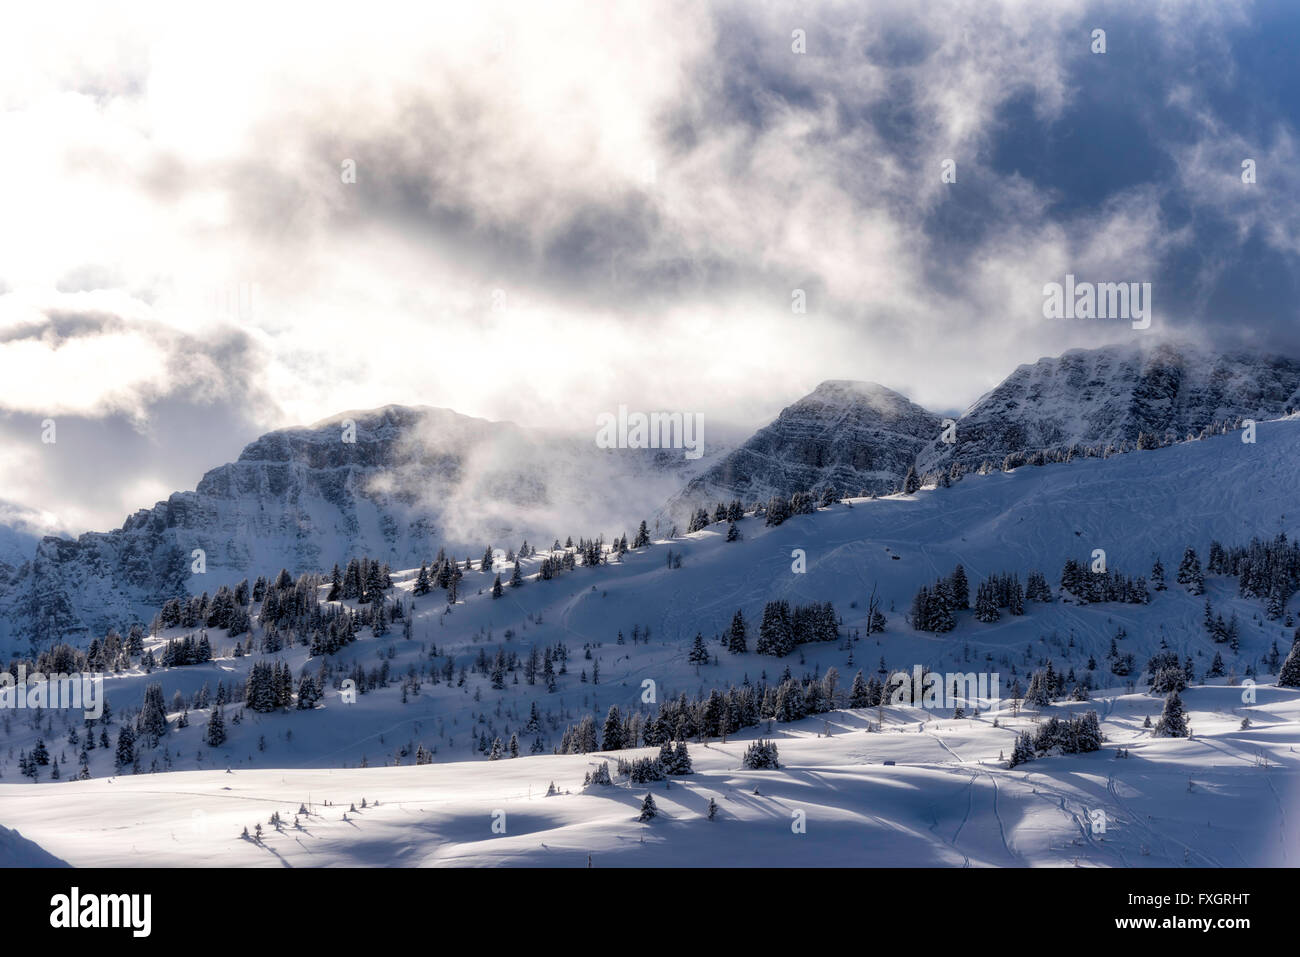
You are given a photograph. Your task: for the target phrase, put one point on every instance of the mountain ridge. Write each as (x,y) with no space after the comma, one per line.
(420,477)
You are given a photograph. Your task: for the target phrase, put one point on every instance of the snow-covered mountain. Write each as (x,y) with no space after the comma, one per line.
(856,436)
(411,481)
(1115,394)
(859,436)
(416,479)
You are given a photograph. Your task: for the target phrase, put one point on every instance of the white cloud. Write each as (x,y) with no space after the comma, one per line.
(190,161)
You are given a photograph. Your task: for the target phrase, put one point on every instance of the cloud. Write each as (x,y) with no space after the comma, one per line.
(104,413)
(561,208)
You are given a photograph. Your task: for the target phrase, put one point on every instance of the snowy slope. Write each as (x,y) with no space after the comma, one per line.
(938,804)
(1134,506)
(302,499)
(18,851)
(1223,798)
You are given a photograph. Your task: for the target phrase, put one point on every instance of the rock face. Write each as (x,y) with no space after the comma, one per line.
(1113,395)
(859,436)
(854,436)
(414,480)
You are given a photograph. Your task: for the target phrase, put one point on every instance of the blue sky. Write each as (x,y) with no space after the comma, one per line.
(560,210)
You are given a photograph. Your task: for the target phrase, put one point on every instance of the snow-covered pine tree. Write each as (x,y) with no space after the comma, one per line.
(736,643)
(612,734)
(911,483)
(648,808)
(125,747)
(681,759)
(152,721)
(761,755)
(1173,719)
(778,510)
(1023,750)
(699,655)
(1189,572)
(1288,676)
(858,694)
(1157,576)
(959,589)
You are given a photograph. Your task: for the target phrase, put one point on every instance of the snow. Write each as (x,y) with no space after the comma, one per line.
(18,851)
(1207,801)
(1227,796)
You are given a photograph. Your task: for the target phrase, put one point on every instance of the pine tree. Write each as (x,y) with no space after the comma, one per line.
(1023,751)
(1289,675)
(1173,719)
(986,608)
(648,808)
(125,747)
(152,722)
(761,755)
(496,587)
(859,697)
(959,589)
(216,733)
(736,643)
(775,633)
(681,759)
(699,655)
(778,510)
(612,734)
(1189,572)
(422,585)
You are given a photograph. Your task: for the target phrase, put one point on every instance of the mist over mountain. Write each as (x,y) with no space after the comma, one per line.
(419,479)
(412,481)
